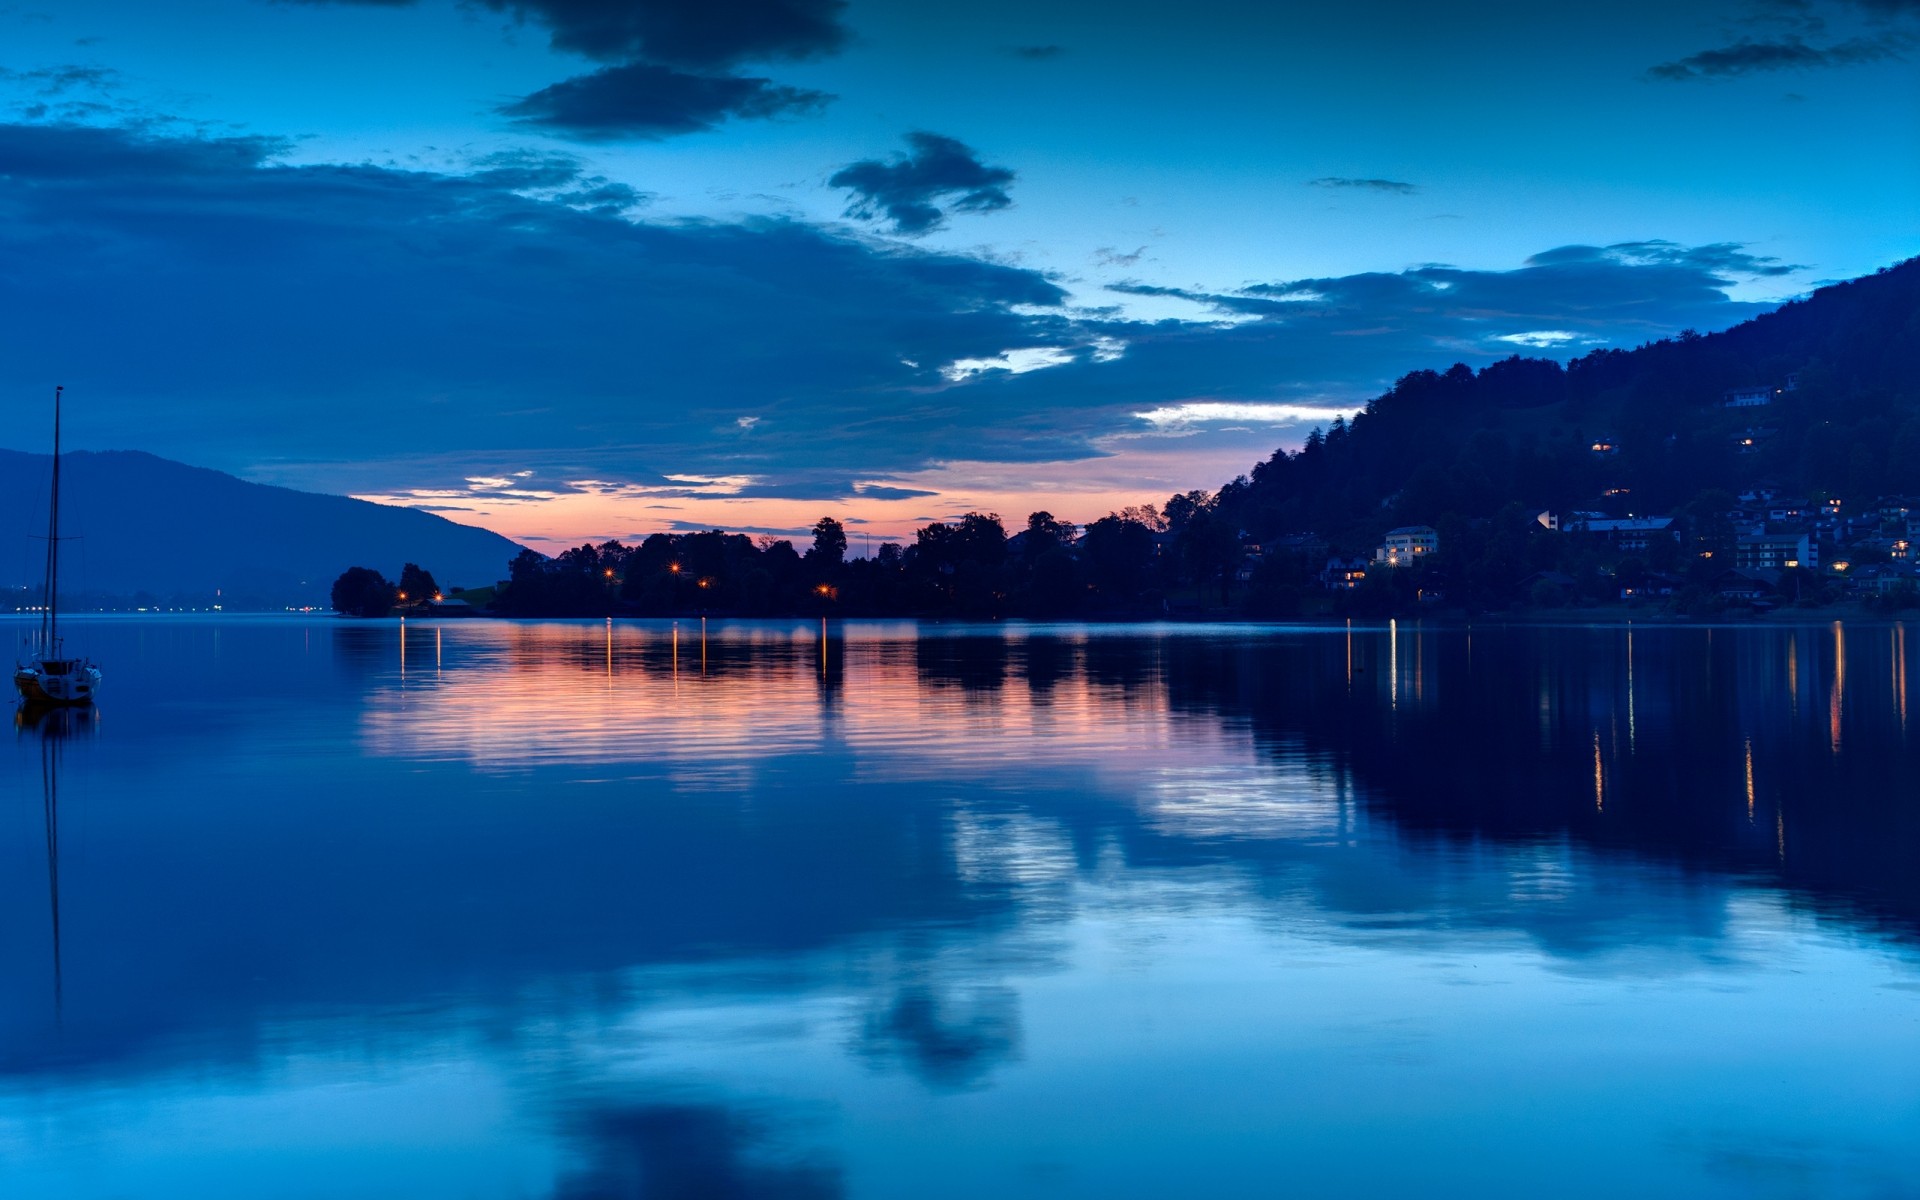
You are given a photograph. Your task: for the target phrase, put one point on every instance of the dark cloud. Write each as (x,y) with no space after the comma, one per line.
(519,170)
(877,492)
(57,81)
(1037,53)
(918,190)
(1393,186)
(698,34)
(1747,57)
(641,100)
(670,62)
(1724,262)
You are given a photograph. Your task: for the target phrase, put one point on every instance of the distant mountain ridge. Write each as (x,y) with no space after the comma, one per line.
(148,524)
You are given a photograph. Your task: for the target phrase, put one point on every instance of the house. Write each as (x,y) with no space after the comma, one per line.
(1653,584)
(1748,397)
(1406,545)
(1556,584)
(1604,447)
(1628,533)
(1747,586)
(1547,520)
(1775,551)
(1884,577)
(1747,523)
(1894,510)
(1343,574)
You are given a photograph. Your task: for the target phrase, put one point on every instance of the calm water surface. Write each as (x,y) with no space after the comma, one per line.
(318,909)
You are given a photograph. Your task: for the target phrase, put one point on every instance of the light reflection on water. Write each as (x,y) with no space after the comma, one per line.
(652,908)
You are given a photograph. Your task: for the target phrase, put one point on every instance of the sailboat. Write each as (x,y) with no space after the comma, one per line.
(50,677)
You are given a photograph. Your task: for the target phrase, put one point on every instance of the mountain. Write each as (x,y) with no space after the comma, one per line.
(1647,430)
(146,524)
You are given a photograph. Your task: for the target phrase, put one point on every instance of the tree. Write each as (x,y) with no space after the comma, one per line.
(363,592)
(417,585)
(1045,532)
(829,542)
(824,562)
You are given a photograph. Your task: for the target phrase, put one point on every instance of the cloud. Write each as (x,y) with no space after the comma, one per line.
(1746,57)
(558,177)
(1388,186)
(462,315)
(641,100)
(1196,412)
(881,491)
(1109,256)
(1037,53)
(58,81)
(1014,362)
(917,191)
(700,34)
(1539,339)
(434,335)
(1724,262)
(670,62)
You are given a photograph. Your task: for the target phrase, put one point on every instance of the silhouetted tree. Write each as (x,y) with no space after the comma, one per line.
(417,585)
(363,592)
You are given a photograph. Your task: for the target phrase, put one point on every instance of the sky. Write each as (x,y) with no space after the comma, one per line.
(589,269)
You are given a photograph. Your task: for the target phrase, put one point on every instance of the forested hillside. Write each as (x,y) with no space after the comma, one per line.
(1466,444)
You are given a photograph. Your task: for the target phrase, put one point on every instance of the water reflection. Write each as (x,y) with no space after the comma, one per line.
(1674,731)
(704,908)
(51,728)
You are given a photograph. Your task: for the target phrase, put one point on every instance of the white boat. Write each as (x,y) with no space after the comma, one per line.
(50,677)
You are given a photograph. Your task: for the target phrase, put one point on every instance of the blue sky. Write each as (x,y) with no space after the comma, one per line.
(586,268)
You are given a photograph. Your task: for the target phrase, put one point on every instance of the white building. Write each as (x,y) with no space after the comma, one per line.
(1628,533)
(1776,550)
(1406,545)
(1749,397)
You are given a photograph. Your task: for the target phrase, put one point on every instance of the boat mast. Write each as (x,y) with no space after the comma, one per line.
(49,619)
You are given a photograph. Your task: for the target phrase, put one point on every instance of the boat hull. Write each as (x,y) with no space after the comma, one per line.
(75,689)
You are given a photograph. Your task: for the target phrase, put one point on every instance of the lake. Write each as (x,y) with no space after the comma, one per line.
(313,908)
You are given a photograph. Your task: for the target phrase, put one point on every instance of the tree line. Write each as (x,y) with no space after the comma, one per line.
(1123,564)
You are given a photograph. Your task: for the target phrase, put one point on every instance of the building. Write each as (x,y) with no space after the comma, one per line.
(1343,574)
(1743,586)
(1774,551)
(1407,545)
(1627,533)
(1749,397)
(1548,519)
